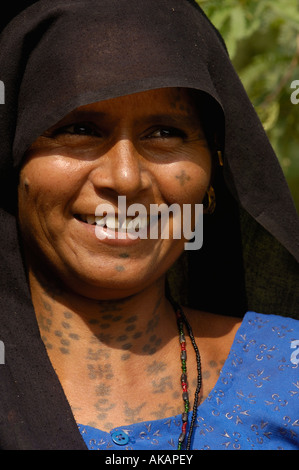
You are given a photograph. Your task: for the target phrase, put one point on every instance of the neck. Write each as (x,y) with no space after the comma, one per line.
(98,348)
(129,325)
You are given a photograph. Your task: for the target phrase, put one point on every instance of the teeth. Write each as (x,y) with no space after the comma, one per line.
(137,223)
(90,219)
(100,220)
(112,222)
(125,223)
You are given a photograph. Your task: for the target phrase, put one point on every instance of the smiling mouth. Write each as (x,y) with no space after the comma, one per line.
(112,222)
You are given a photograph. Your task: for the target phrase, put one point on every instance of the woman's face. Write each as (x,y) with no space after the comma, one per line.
(148,147)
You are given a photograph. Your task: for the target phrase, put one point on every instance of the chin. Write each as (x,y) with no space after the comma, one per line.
(108,291)
(108,284)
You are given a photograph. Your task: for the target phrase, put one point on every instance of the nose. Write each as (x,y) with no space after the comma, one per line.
(121,170)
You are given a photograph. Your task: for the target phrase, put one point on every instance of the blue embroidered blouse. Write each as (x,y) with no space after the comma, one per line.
(254,404)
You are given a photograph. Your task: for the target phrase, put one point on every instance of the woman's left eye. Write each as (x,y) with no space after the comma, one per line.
(167,133)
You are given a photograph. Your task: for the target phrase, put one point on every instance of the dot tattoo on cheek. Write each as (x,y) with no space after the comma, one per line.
(119,269)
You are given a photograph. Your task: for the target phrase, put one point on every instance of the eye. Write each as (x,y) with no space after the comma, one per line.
(81,129)
(166,133)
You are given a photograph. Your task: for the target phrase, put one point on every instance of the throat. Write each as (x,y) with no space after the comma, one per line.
(117,365)
(143,389)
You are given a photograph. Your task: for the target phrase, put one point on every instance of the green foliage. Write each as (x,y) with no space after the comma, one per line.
(262,37)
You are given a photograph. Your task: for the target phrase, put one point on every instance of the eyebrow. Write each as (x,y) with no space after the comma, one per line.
(84,114)
(170,119)
(175,118)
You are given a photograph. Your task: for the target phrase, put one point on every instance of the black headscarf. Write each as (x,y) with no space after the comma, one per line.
(60,54)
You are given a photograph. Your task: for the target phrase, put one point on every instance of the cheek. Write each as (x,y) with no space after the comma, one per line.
(45,173)
(44,189)
(185,182)
(43,180)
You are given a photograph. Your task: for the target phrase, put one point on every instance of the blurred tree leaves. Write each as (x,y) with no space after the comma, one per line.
(262,37)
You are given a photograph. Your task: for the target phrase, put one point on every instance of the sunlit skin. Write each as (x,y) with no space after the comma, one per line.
(101,307)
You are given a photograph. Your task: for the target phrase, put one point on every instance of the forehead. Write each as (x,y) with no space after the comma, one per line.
(147,102)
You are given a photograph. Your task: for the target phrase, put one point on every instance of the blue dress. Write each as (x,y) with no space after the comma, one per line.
(254,404)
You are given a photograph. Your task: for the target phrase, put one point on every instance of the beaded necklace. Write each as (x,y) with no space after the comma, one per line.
(181,321)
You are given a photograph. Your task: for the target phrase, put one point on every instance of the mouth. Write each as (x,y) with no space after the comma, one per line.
(113,222)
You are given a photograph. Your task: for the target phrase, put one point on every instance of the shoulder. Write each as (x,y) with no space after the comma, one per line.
(215,333)
(275,332)
(258,322)
(276,326)
(258,333)
(212,324)
(269,343)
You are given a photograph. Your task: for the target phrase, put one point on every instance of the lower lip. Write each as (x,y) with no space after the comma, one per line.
(111,237)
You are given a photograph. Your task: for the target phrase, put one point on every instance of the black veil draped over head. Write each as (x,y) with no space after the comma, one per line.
(60,54)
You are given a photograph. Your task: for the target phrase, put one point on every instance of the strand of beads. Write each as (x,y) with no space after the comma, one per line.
(185,393)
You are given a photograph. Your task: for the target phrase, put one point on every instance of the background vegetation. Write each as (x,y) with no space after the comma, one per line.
(262,37)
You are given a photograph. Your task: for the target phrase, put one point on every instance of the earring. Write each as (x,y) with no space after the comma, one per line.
(220,158)
(209,202)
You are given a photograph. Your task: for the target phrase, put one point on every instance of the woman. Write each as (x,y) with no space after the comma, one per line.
(109,99)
